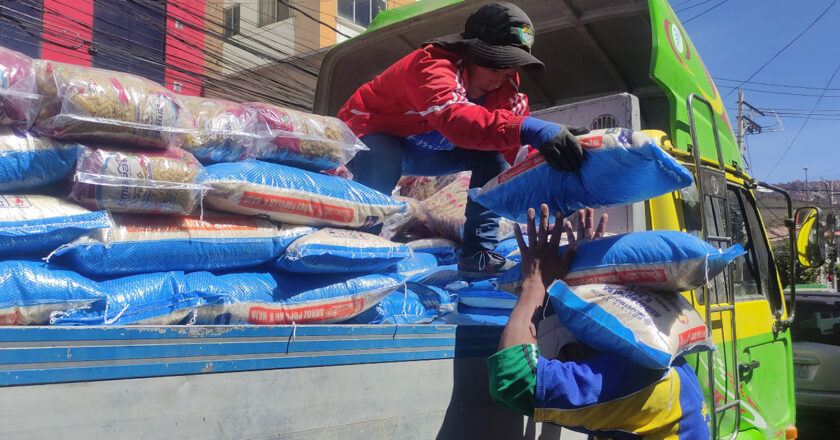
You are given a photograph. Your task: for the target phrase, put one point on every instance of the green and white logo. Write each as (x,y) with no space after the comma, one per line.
(526,35)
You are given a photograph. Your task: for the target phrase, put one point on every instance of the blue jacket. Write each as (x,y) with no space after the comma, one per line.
(608,396)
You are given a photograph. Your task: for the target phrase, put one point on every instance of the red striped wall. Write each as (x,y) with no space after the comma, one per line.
(67,31)
(185,45)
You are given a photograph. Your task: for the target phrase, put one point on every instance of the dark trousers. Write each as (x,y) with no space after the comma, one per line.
(390,157)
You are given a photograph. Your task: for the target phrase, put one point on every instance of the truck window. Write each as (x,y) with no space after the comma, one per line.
(753,272)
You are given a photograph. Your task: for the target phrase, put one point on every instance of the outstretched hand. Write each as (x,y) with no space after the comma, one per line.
(541,259)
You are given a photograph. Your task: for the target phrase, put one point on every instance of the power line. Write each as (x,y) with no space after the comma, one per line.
(705,12)
(819,17)
(716,78)
(804,123)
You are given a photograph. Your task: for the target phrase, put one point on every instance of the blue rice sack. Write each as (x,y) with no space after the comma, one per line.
(484,295)
(30,161)
(30,291)
(418,264)
(657,260)
(444,249)
(467,315)
(161,298)
(291,195)
(158,243)
(650,329)
(34,225)
(621,167)
(401,307)
(280,298)
(341,251)
(435,298)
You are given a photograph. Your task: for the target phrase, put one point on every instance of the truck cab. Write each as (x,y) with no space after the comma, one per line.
(608,63)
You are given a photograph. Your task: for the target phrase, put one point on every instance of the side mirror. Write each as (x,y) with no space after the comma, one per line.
(810,237)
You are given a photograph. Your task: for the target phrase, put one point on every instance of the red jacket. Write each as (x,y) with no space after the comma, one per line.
(426,91)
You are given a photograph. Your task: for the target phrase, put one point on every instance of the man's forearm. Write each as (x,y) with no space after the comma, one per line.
(520,328)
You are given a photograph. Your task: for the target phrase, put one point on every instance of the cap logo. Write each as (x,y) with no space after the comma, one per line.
(526,35)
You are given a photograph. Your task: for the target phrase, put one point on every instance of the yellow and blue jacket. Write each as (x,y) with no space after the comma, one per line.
(607,396)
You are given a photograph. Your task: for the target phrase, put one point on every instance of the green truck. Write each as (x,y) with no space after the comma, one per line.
(625,63)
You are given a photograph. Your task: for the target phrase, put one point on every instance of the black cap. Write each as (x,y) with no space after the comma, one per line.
(499,35)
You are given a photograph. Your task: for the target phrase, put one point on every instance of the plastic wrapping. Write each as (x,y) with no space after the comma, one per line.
(161,182)
(223,131)
(155,243)
(104,106)
(34,225)
(303,140)
(411,220)
(29,161)
(291,195)
(30,291)
(621,167)
(650,329)
(341,251)
(19,100)
(423,187)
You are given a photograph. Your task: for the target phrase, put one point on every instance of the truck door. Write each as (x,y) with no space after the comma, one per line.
(763,358)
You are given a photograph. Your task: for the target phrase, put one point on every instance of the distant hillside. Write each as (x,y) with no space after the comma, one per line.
(816,192)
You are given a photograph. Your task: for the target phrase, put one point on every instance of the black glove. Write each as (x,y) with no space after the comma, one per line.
(577,130)
(563,151)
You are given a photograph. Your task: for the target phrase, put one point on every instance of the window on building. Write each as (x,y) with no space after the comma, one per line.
(179,25)
(272,11)
(361,12)
(176,86)
(232,21)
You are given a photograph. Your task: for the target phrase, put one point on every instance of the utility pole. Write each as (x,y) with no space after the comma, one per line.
(741,122)
(807,190)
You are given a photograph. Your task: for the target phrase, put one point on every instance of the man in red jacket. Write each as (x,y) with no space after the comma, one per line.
(454,105)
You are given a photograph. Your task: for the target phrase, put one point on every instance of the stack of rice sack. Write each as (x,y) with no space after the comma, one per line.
(103,174)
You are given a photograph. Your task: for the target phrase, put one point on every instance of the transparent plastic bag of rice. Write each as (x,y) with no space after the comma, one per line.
(222,131)
(103,106)
(19,100)
(159,182)
(302,140)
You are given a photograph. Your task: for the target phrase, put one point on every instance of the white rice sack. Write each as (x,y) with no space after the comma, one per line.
(341,251)
(34,225)
(222,131)
(30,161)
(302,140)
(19,100)
(160,182)
(103,106)
(156,243)
(650,329)
(622,166)
(291,195)
(279,298)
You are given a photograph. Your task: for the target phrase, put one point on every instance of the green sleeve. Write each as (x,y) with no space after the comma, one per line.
(513,377)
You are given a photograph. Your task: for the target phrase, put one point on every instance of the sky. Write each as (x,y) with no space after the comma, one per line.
(735,38)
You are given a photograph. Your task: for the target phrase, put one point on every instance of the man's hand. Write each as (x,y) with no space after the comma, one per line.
(541,260)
